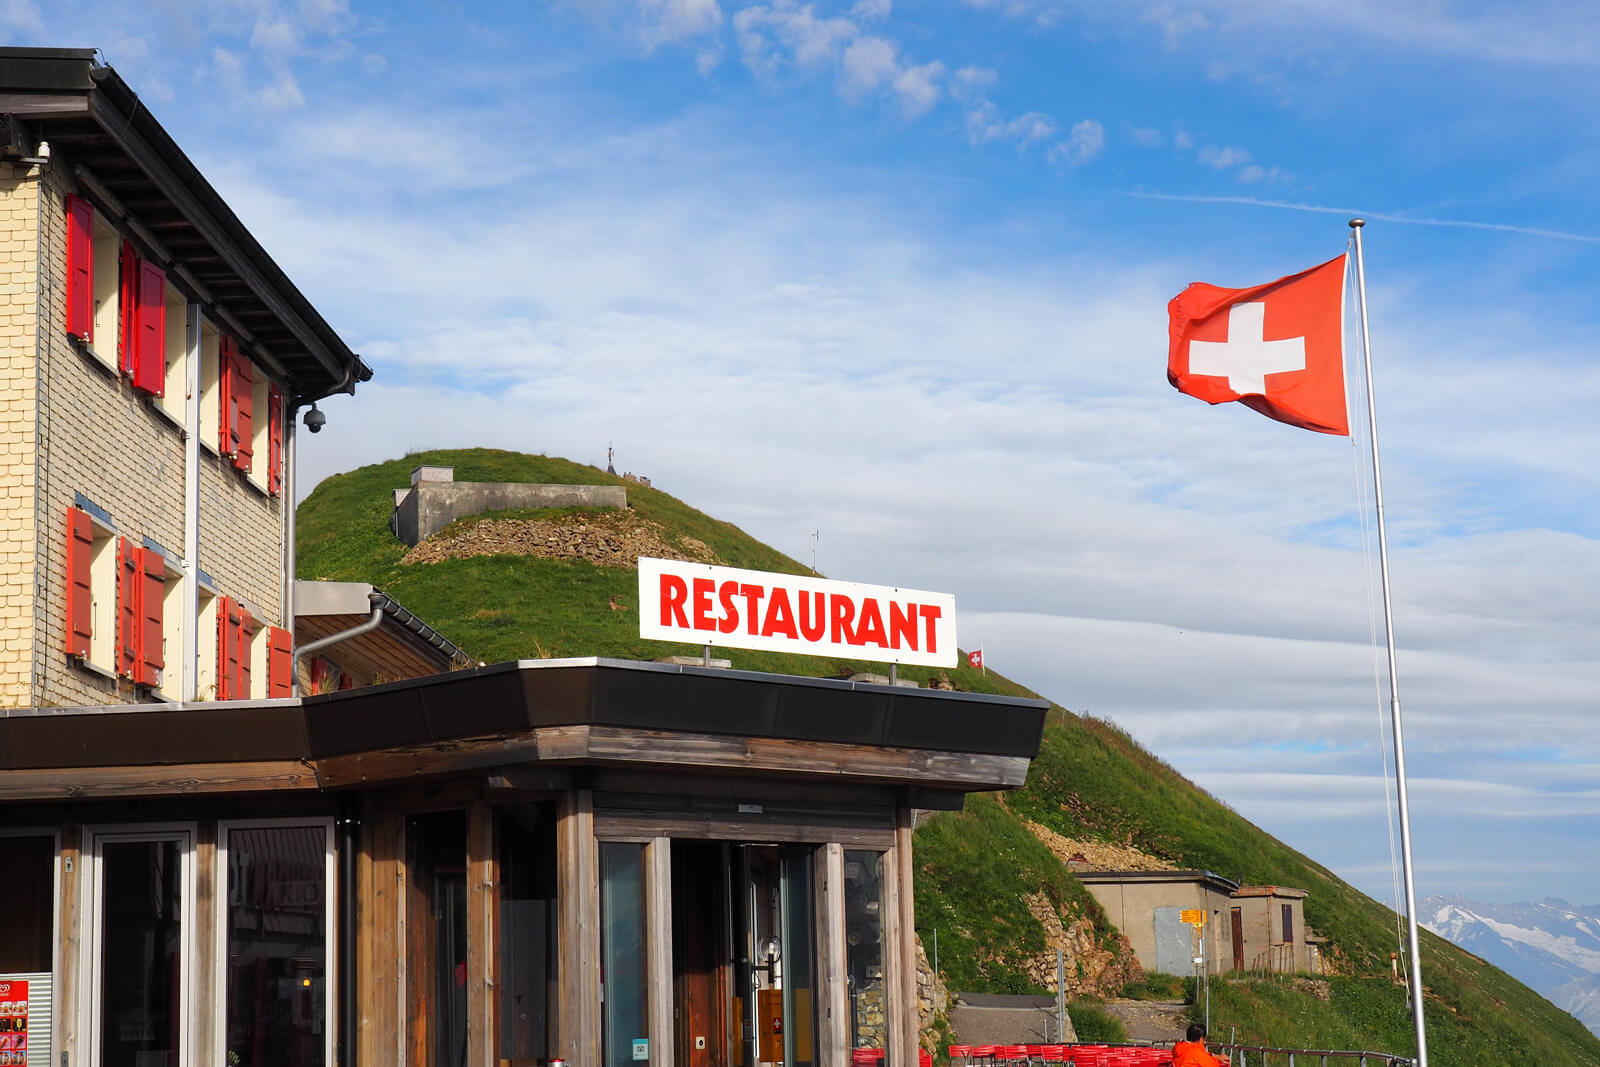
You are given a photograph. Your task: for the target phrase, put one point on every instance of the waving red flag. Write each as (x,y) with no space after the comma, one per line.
(1278,347)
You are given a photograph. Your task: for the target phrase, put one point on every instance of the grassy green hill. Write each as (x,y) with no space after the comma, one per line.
(975,867)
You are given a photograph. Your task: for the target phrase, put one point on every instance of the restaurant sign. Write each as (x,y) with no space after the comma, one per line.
(701,604)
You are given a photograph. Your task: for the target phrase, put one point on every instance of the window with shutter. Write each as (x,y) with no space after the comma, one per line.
(80,268)
(150,343)
(127,607)
(274,440)
(280,659)
(128,310)
(80,582)
(149,652)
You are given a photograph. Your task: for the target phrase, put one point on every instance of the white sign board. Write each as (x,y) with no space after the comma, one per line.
(699,604)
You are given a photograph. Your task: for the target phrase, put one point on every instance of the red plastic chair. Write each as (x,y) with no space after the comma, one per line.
(964,1051)
(984,1052)
(1053,1053)
(865,1057)
(924,1058)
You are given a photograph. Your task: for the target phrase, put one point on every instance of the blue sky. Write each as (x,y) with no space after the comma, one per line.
(897,273)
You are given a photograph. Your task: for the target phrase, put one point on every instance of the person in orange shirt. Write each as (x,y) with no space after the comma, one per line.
(1192,1052)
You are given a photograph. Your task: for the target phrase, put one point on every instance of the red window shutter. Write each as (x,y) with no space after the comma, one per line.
(80,268)
(127,606)
(280,661)
(150,345)
(225,392)
(274,440)
(243,413)
(227,650)
(149,655)
(80,588)
(246,629)
(128,310)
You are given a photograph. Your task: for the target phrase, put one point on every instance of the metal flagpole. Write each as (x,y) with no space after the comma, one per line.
(1394,685)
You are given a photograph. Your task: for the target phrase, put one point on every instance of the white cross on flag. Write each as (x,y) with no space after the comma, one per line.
(1278,347)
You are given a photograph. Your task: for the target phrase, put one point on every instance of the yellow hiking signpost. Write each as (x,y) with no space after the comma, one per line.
(1192,916)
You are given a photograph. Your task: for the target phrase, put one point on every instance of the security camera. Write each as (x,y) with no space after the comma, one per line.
(315,420)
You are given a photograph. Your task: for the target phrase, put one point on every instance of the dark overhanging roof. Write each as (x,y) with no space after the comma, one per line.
(1210,878)
(581,711)
(93,119)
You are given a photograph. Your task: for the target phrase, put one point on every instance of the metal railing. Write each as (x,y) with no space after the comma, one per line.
(1265,1056)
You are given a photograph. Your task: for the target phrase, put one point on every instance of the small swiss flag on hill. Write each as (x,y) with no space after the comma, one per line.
(975,657)
(1277,348)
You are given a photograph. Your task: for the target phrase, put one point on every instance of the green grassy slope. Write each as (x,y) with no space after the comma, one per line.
(975,866)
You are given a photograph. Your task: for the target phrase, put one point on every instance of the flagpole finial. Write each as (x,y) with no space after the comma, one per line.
(1356,224)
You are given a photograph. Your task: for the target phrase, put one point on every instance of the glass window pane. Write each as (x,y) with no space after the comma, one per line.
(141,925)
(529,990)
(277,895)
(863,936)
(622,952)
(28,919)
(799,959)
(437,921)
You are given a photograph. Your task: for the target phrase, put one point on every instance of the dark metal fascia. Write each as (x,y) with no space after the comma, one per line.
(122,115)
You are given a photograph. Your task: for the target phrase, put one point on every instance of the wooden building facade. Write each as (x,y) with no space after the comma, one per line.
(597,861)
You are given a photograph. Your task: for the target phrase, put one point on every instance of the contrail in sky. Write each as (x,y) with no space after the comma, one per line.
(1318,209)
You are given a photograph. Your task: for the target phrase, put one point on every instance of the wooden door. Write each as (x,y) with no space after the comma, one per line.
(700,953)
(1237,922)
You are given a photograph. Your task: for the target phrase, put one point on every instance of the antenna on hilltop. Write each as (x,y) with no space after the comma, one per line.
(610,452)
(815,536)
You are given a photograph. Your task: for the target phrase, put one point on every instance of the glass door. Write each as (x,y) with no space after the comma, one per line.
(141,938)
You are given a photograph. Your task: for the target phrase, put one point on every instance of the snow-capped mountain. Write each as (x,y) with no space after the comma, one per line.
(1552,946)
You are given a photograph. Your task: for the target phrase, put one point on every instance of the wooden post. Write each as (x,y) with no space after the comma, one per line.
(905,822)
(380,938)
(658,950)
(70,966)
(578,890)
(833,1005)
(483,930)
(202,988)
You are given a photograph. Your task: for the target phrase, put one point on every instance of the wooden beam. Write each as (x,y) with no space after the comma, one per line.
(483,930)
(910,1024)
(205,940)
(646,826)
(578,875)
(658,950)
(45,105)
(187,779)
(893,1007)
(70,961)
(120,127)
(833,995)
(380,937)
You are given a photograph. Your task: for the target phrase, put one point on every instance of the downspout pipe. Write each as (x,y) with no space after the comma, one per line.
(376,599)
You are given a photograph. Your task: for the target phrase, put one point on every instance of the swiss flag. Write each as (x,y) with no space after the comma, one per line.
(976,659)
(1278,347)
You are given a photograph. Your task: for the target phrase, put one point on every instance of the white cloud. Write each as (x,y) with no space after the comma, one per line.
(282,94)
(918,88)
(985,124)
(868,63)
(1145,137)
(1223,158)
(1175,23)
(373,64)
(668,21)
(1182,141)
(1255,173)
(1086,141)
(872,9)
(22,15)
(275,36)
(807,40)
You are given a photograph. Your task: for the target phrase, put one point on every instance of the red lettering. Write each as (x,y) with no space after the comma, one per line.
(869,629)
(844,609)
(813,615)
(902,625)
(730,614)
(674,592)
(703,588)
(930,615)
(752,599)
(780,617)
